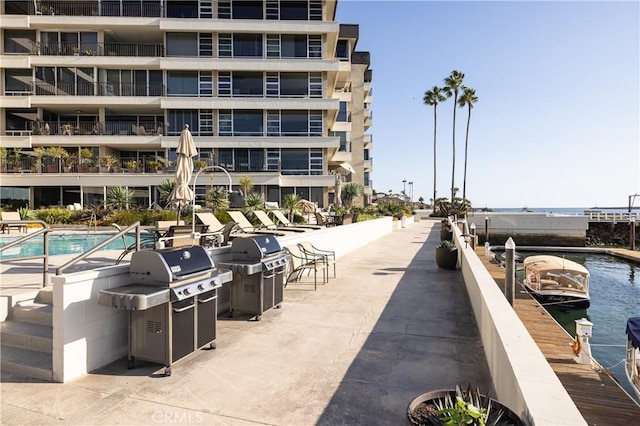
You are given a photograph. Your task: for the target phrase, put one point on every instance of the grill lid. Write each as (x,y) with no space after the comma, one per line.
(254,248)
(169,265)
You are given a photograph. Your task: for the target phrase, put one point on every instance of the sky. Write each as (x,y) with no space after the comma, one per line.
(557,121)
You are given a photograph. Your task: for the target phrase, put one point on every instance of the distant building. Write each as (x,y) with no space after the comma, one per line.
(273,90)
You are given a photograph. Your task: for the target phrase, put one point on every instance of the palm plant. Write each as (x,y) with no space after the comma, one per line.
(467,98)
(119,197)
(292,203)
(245,185)
(452,88)
(217,199)
(254,200)
(433,97)
(350,191)
(165,189)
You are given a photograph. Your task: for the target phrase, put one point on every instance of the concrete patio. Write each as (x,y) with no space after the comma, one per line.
(356,351)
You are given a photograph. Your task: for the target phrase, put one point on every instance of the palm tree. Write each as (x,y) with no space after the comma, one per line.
(254,201)
(292,203)
(246,184)
(165,189)
(119,197)
(350,191)
(217,199)
(451,87)
(433,97)
(467,98)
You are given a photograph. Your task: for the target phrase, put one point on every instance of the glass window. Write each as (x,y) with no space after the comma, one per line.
(247,84)
(293,45)
(295,84)
(294,123)
(295,161)
(247,45)
(17,80)
(225,158)
(182,8)
(247,123)
(317,195)
(247,9)
(293,10)
(177,118)
(182,44)
(182,83)
(342,112)
(342,51)
(19,41)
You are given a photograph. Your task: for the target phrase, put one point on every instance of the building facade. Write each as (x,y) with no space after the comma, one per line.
(94,94)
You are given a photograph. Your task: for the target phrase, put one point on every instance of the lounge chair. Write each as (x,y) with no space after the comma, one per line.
(12,217)
(246,226)
(223,233)
(263,217)
(180,236)
(285,222)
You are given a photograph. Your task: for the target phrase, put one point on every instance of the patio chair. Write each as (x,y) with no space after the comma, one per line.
(299,263)
(263,217)
(12,217)
(313,253)
(246,226)
(280,217)
(180,236)
(217,231)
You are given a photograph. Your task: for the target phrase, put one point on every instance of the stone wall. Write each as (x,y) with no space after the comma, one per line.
(611,234)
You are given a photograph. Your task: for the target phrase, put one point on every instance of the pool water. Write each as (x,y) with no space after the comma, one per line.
(62,244)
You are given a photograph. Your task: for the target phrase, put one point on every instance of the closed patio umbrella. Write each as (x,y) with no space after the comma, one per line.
(182,195)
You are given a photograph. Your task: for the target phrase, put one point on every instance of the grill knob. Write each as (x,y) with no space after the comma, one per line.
(200,287)
(187,292)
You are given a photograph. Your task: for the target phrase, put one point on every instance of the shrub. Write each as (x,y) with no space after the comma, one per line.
(57,215)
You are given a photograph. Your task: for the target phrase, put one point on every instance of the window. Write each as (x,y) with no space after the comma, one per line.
(181,8)
(247,123)
(246,9)
(247,45)
(19,41)
(343,113)
(182,44)
(248,84)
(294,84)
(17,81)
(293,45)
(294,10)
(182,83)
(342,50)
(177,119)
(294,123)
(295,161)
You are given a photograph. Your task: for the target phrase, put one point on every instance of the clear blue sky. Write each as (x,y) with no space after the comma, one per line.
(557,122)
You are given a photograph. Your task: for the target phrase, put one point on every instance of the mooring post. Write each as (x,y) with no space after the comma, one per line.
(474,238)
(632,233)
(510,270)
(486,229)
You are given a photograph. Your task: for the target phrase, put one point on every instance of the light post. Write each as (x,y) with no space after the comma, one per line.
(404,184)
(193,207)
(411,192)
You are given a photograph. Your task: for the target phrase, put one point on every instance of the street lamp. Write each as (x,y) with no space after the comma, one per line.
(404,183)
(411,192)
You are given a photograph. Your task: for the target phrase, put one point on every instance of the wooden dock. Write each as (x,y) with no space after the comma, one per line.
(596,394)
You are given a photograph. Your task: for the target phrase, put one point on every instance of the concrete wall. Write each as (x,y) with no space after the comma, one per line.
(523,379)
(87,336)
(530,228)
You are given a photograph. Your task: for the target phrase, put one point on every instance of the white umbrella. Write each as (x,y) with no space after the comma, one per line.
(182,194)
(338,188)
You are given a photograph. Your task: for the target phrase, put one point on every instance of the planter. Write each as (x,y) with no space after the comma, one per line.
(423,411)
(446,234)
(447,257)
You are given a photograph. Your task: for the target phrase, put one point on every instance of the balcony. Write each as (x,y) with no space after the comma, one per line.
(97,49)
(84,8)
(83,88)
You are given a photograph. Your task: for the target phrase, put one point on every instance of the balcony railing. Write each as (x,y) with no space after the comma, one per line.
(42,88)
(85,8)
(95,49)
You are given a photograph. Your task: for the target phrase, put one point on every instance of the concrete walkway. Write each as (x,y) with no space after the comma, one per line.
(356,351)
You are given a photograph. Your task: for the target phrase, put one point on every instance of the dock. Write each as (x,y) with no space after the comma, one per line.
(600,400)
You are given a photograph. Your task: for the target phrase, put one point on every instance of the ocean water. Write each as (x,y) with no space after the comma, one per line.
(576,211)
(615,297)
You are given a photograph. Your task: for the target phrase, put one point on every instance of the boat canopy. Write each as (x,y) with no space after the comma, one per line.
(544,264)
(633,331)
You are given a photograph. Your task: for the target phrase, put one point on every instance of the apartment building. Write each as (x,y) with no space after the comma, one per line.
(94,94)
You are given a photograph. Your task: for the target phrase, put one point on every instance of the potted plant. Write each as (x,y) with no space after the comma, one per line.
(447,255)
(199,164)
(446,233)
(154,165)
(3,159)
(107,162)
(457,407)
(69,161)
(38,154)
(131,165)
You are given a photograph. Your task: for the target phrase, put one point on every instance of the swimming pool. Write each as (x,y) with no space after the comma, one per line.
(62,244)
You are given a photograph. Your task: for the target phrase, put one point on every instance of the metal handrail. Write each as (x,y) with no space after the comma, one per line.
(88,253)
(45,247)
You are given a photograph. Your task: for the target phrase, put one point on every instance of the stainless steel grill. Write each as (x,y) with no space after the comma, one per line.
(172,303)
(258,265)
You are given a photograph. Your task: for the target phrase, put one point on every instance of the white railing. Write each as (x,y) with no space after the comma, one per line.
(612,217)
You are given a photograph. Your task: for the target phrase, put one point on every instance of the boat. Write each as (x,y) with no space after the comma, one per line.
(556,281)
(632,361)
